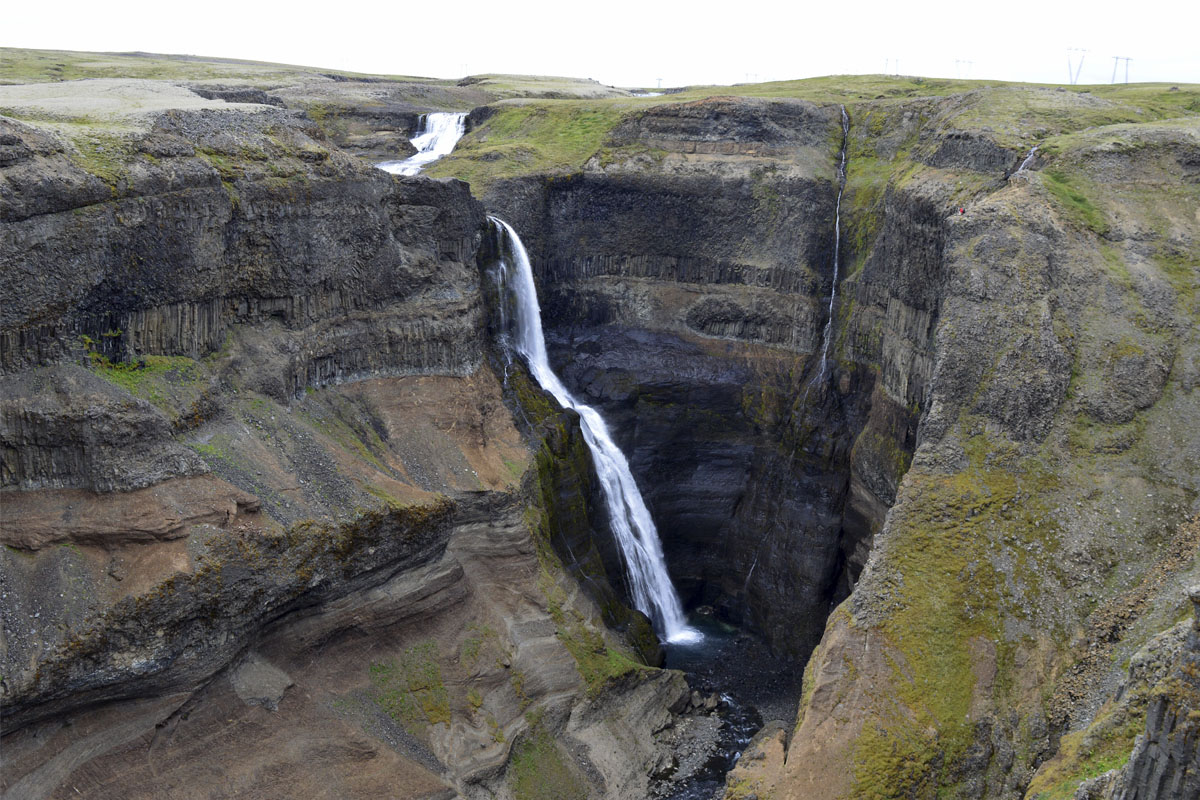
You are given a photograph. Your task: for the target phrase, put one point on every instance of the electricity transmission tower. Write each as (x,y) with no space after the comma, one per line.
(1074,76)
(962,67)
(1126,59)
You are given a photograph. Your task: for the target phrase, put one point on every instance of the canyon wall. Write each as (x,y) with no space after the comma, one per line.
(686,293)
(997,464)
(263,475)
(271,526)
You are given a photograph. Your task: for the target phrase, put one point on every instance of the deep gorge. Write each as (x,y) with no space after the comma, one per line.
(270,481)
(692,315)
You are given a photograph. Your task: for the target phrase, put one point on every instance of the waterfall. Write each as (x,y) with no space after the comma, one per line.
(438,134)
(637,538)
(837,239)
(1028,159)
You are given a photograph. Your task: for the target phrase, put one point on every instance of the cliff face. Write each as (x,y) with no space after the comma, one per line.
(257,466)
(997,447)
(265,504)
(686,281)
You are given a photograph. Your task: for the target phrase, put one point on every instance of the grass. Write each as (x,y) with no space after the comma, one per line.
(947,535)
(411,689)
(1082,755)
(543,86)
(1068,190)
(531,137)
(174,384)
(18,65)
(538,770)
(335,418)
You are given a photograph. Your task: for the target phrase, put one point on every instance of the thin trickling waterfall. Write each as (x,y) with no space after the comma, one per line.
(438,134)
(653,593)
(1028,159)
(837,240)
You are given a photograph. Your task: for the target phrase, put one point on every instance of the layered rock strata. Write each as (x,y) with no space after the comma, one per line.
(265,503)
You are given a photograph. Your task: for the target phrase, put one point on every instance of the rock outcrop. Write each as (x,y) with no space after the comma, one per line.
(261,478)
(996,465)
(265,502)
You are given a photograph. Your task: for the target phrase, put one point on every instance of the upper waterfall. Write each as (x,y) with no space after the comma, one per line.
(1028,159)
(636,535)
(438,134)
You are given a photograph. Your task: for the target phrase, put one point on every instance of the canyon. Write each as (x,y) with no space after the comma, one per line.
(283,515)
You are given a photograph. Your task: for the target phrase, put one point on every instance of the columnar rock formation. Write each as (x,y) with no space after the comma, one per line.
(265,481)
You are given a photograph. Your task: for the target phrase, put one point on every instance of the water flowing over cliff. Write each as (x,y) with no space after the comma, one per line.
(439,132)
(653,593)
(837,245)
(275,500)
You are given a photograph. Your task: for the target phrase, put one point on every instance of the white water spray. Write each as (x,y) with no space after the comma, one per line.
(439,132)
(653,593)
(1027,161)
(837,239)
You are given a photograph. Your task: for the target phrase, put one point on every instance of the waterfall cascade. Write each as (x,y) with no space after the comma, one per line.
(837,239)
(636,535)
(438,134)
(1027,160)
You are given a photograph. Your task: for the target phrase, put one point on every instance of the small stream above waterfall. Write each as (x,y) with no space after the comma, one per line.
(1028,159)
(436,137)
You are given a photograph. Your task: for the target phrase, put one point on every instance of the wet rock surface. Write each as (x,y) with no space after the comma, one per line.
(737,683)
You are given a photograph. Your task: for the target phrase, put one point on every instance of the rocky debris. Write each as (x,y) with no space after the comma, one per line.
(259,683)
(1108,622)
(758,771)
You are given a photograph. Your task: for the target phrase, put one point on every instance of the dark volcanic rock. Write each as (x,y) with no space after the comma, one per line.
(335,270)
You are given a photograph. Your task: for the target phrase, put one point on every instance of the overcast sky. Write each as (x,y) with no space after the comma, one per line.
(636,43)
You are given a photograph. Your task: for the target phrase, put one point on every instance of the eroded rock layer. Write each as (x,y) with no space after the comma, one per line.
(266,505)
(261,479)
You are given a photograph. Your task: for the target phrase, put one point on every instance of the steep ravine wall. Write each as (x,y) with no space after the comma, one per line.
(998,451)
(686,299)
(265,505)
(1041,536)
(208,228)
(211,218)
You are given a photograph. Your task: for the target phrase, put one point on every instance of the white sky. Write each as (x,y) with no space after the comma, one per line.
(628,43)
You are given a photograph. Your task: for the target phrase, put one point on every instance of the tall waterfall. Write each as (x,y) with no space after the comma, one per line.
(837,241)
(653,593)
(438,134)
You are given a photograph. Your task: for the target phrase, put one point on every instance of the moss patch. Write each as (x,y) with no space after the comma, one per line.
(539,770)
(956,545)
(529,138)
(411,690)
(1069,191)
